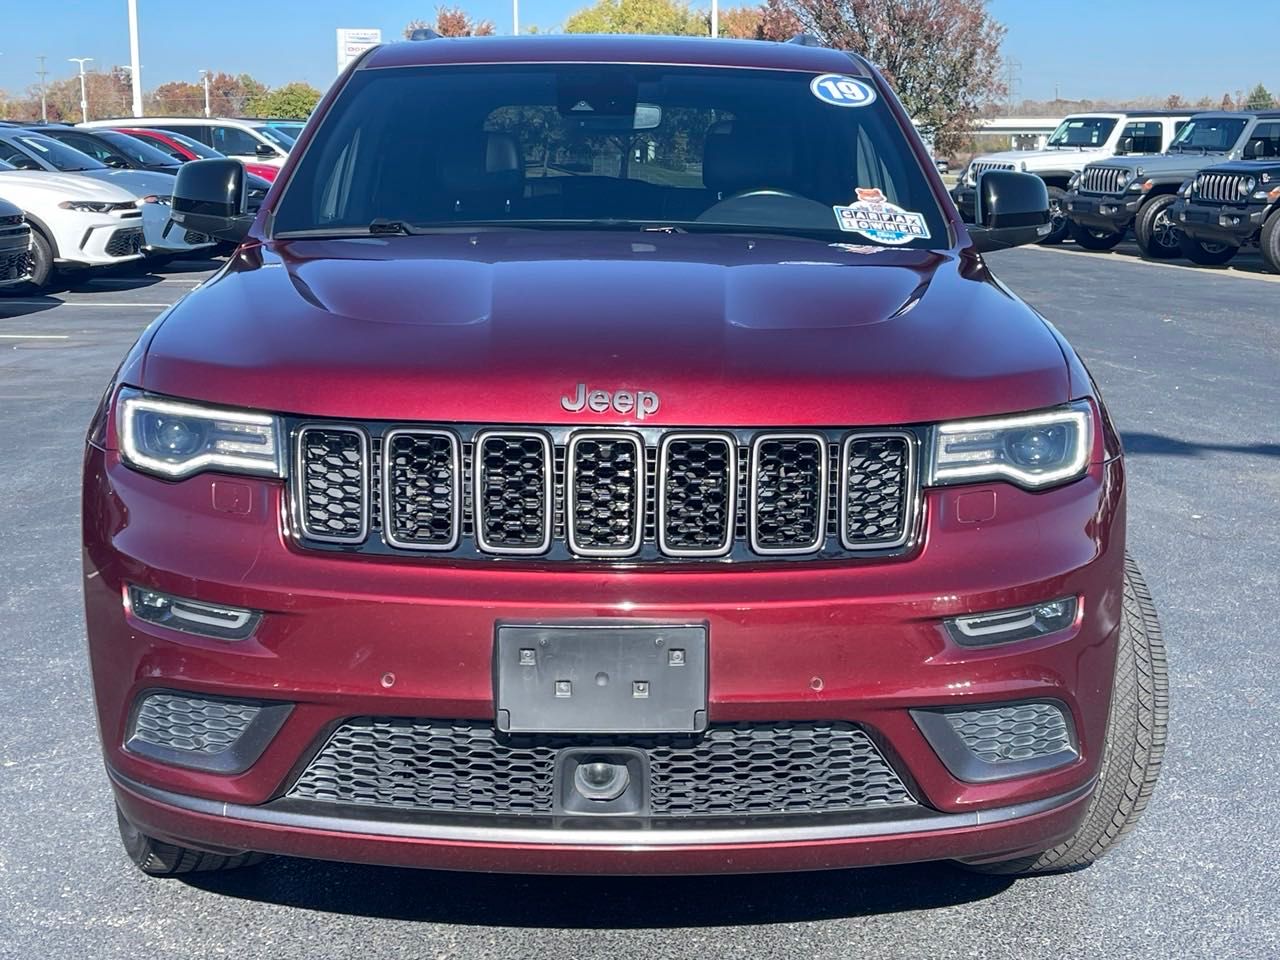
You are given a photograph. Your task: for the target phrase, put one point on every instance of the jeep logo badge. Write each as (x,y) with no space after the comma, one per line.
(642,403)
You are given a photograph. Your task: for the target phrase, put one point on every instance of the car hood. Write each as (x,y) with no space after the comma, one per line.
(21,186)
(1254,167)
(1166,164)
(499,326)
(139,183)
(1017,156)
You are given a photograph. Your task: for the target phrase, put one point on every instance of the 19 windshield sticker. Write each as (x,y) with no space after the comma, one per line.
(841,91)
(873,216)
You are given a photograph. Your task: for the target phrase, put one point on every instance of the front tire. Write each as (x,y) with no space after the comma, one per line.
(1270,241)
(1092,239)
(159,859)
(1057,217)
(1158,236)
(1207,253)
(1134,746)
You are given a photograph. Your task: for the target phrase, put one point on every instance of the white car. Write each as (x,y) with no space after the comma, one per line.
(32,150)
(255,141)
(75,222)
(1080,139)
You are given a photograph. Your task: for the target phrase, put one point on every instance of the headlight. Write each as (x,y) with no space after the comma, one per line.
(1246,186)
(87,206)
(176,439)
(155,199)
(1074,182)
(1032,450)
(1186,189)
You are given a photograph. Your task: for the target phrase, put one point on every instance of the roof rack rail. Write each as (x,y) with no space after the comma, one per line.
(806,40)
(424,33)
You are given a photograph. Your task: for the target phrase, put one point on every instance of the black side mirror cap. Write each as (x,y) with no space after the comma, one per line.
(1124,146)
(209,197)
(266,151)
(1011,209)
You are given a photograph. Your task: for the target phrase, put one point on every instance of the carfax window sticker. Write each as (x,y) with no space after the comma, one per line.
(873,216)
(841,91)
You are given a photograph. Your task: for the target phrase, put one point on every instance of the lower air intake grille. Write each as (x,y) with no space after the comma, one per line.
(1015,732)
(462,766)
(125,242)
(192,724)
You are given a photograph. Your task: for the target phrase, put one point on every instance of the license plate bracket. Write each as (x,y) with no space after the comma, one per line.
(601,678)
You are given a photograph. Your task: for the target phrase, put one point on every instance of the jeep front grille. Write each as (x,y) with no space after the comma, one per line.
(1220,188)
(636,495)
(982,166)
(466,767)
(1106,180)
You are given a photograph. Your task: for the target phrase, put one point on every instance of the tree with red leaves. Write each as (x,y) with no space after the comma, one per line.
(452,22)
(942,57)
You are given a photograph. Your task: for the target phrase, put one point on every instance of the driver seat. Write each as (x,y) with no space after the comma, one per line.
(741,155)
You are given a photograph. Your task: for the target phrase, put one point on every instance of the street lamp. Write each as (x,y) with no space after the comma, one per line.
(515,18)
(84,101)
(135,71)
(204,75)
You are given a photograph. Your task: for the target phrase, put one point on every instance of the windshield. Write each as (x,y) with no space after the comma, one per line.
(290,129)
(613,146)
(1082,132)
(279,137)
(136,150)
(57,155)
(194,146)
(1209,134)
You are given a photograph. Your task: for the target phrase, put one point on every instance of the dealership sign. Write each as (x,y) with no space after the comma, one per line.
(354,41)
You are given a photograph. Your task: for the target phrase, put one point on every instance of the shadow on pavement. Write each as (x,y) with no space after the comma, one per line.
(1154,444)
(1248,262)
(489,900)
(25,305)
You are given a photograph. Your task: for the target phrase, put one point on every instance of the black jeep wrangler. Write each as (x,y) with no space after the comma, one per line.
(1107,198)
(1232,205)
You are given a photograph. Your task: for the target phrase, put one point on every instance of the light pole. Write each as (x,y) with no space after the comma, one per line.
(84,101)
(204,75)
(515,18)
(715,18)
(44,106)
(135,71)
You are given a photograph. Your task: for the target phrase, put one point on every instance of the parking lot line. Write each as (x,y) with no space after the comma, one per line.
(33,336)
(80,303)
(1228,271)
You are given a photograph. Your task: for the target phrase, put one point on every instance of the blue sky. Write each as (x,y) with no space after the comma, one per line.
(1073,45)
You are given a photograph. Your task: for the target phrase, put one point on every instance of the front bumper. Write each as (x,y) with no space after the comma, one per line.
(1115,214)
(100,239)
(164,237)
(15,255)
(1219,223)
(860,643)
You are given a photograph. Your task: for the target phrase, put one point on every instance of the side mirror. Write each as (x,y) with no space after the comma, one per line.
(1011,209)
(266,151)
(1252,150)
(209,197)
(116,163)
(1124,146)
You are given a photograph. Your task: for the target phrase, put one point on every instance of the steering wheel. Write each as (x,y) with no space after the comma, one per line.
(764,192)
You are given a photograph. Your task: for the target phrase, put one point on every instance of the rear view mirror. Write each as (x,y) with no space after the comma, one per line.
(1012,209)
(209,197)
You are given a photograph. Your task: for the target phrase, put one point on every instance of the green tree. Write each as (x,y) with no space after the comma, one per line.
(451,22)
(640,16)
(941,56)
(293,101)
(1259,99)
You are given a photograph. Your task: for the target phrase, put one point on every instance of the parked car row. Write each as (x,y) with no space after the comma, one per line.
(74,198)
(1199,186)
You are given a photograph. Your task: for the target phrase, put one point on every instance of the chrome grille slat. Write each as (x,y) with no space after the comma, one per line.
(1103,180)
(634,494)
(982,166)
(1220,188)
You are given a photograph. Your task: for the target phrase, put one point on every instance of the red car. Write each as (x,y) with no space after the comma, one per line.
(613,455)
(184,148)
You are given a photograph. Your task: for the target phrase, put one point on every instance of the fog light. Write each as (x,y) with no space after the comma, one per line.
(1021,623)
(601,780)
(191,616)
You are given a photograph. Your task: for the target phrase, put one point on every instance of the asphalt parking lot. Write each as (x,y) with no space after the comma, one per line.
(1189,361)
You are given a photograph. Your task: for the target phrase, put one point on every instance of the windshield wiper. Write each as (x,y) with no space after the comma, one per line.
(385,225)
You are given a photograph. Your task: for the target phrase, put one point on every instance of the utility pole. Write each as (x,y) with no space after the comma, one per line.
(135,72)
(515,18)
(84,101)
(204,75)
(715,18)
(42,73)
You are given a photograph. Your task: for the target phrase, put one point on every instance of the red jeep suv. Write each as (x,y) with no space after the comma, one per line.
(613,455)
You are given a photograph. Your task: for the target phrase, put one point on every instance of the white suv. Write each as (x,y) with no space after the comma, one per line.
(75,221)
(1080,139)
(252,140)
